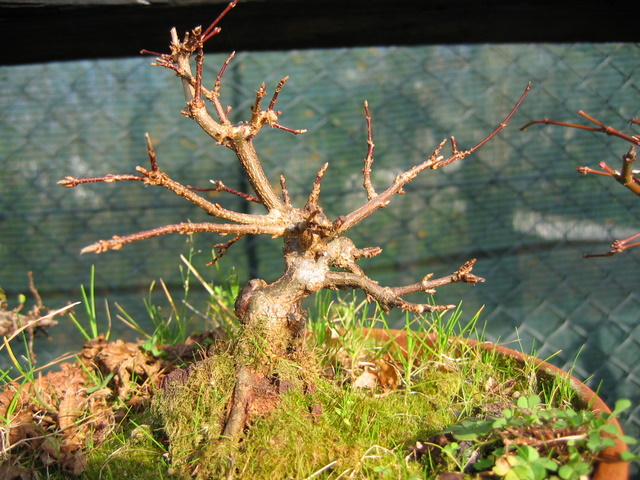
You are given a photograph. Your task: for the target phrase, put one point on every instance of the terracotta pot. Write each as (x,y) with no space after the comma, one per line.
(610,467)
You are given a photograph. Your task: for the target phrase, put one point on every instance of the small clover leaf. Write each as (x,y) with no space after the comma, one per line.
(528,402)
(621,405)
(470,429)
(574,470)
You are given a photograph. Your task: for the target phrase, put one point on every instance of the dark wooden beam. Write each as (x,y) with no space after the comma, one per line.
(55,30)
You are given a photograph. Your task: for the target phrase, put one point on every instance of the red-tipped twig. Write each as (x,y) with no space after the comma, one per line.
(221,187)
(626,176)
(435,161)
(616,247)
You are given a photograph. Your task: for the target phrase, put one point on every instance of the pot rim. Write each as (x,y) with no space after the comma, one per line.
(611,466)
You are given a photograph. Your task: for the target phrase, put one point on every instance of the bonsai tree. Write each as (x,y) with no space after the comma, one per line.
(626,176)
(317,253)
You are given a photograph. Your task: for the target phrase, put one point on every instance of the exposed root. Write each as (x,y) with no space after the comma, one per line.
(243,396)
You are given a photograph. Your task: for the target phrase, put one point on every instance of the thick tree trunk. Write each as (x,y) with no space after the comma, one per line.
(272,321)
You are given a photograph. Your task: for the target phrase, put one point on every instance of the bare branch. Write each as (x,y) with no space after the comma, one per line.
(626,176)
(156,177)
(458,155)
(383,295)
(116,242)
(290,130)
(152,153)
(314,196)
(269,116)
(71,182)
(344,223)
(213,209)
(616,247)
(222,248)
(221,187)
(463,274)
(277,91)
(435,161)
(285,192)
(343,254)
(258,180)
(546,121)
(213,28)
(368,161)
(600,128)
(257,116)
(238,137)
(214,98)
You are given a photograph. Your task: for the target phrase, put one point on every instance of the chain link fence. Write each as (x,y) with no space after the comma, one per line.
(517,205)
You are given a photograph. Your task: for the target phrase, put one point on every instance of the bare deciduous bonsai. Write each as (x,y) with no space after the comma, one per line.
(626,176)
(317,253)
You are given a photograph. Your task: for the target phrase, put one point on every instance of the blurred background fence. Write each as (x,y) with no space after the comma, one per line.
(518,205)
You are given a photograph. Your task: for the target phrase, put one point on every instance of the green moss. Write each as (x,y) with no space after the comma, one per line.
(350,430)
(320,426)
(356,432)
(133,452)
(193,412)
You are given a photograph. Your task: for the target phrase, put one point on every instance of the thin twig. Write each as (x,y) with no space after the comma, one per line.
(457,154)
(285,192)
(600,128)
(368,160)
(344,223)
(222,248)
(616,247)
(221,187)
(223,114)
(290,130)
(626,176)
(314,196)
(152,153)
(117,242)
(277,91)
(213,29)
(71,182)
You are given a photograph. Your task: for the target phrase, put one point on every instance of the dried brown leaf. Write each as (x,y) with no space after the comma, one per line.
(368,380)
(10,471)
(387,374)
